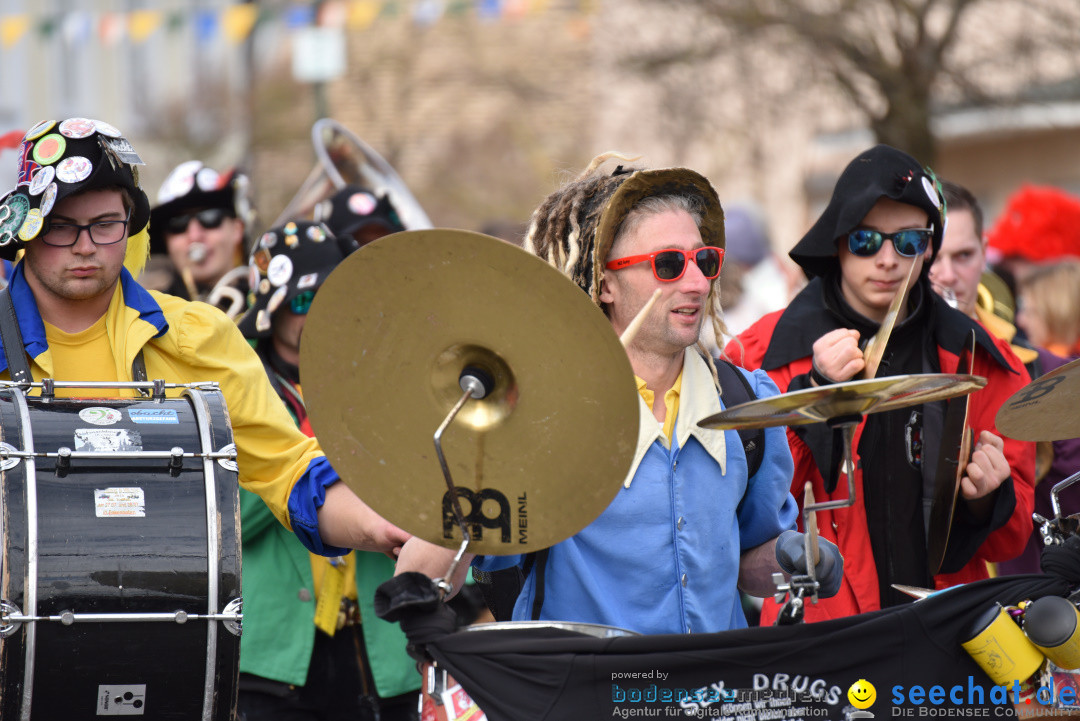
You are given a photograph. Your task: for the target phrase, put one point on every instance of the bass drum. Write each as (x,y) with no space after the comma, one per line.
(120,575)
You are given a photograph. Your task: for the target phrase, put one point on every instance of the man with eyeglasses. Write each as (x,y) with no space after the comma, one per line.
(200,225)
(80,217)
(346,663)
(690,526)
(886,213)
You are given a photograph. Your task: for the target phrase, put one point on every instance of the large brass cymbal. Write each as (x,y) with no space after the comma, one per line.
(816,405)
(386,339)
(1046,409)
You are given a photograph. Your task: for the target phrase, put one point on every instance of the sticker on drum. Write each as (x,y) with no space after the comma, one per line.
(100,416)
(127,700)
(119,503)
(107,440)
(459,706)
(153,415)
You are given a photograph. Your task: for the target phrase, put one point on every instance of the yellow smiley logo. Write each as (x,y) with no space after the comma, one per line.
(862,694)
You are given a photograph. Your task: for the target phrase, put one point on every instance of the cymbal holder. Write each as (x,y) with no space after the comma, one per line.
(476,383)
(1055,530)
(803,585)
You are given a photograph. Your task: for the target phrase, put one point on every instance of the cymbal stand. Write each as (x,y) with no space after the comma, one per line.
(476,384)
(807,584)
(1060,527)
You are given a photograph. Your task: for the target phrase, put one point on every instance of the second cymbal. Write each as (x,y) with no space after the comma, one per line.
(818,405)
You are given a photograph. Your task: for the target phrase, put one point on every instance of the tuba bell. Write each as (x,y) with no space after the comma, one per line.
(344,159)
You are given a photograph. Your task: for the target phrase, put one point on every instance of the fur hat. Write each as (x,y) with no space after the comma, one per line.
(880,172)
(194,186)
(287,261)
(58,160)
(1039,223)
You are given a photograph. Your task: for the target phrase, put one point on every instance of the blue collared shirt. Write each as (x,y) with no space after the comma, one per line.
(664,556)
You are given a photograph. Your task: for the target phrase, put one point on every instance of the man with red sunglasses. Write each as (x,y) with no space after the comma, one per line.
(887,213)
(691,525)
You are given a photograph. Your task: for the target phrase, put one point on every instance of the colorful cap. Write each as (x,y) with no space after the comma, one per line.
(61,159)
(286,261)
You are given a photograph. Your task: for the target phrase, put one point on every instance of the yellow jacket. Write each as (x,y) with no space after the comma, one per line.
(185,342)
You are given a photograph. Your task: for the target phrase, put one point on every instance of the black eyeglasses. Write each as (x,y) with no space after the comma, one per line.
(670,264)
(209,218)
(909,242)
(103,232)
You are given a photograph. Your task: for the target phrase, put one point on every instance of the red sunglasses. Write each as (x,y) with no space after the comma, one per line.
(670,264)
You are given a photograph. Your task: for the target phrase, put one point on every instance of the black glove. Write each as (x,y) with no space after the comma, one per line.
(829,571)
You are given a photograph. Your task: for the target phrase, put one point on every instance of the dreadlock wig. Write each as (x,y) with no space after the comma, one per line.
(575,227)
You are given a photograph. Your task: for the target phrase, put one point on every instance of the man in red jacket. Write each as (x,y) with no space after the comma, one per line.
(886,213)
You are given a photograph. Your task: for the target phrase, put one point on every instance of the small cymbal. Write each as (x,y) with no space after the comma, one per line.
(1045,409)
(817,405)
(384,344)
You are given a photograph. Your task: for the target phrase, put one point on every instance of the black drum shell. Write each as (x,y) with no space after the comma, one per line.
(113,565)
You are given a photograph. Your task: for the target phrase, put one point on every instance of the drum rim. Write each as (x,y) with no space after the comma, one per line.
(598,630)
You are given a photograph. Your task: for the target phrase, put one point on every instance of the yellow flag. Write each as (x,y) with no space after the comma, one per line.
(362,13)
(12,28)
(142,24)
(237,21)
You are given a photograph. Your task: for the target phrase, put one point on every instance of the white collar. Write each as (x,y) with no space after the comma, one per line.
(698,399)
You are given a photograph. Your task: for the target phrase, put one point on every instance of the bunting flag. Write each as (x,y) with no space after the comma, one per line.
(143,23)
(112,28)
(12,28)
(238,21)
(235,22)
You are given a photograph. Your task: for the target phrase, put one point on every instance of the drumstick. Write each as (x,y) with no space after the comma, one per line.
(627,336)
(811,523)
(875,348)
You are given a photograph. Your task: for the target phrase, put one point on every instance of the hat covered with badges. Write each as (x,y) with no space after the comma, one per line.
(880,172)
(194,186)
(59,159)
(354,207)
(286,262)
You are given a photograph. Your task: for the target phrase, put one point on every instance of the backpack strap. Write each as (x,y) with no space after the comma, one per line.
(11,337)
(537,560)
(734,390)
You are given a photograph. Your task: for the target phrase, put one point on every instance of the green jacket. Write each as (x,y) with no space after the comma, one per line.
(279,607)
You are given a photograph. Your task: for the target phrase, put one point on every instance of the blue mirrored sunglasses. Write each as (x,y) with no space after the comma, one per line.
(909,242)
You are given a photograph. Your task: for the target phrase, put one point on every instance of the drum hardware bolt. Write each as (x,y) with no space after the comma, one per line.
(234,608)
(7,460)
(229,460)
(181,617)
(159,389)
(63,460)
(67,617)
(7,626)
(176,461)
(48,389)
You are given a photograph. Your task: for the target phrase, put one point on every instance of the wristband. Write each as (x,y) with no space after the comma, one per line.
(818,377)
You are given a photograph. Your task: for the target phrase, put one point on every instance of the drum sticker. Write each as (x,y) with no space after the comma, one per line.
(153,415)
(458,705)
(116,700)
(119,503)
(100,416)
(107,440)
